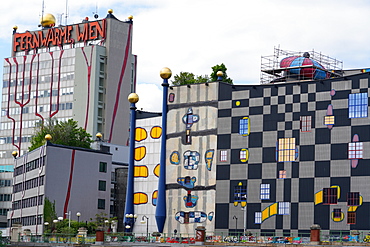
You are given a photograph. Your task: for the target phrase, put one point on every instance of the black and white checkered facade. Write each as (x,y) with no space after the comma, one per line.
(322,157)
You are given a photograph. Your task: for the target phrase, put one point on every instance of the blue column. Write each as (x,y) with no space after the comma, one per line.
(129,205)
(160,212)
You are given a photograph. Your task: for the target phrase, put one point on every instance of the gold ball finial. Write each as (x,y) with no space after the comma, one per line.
(110,11)
(48,137)
(48,20)
(220,73)
(133,98)
(15,27)
(15,154)
(165,73)
(99,135)
(130,17)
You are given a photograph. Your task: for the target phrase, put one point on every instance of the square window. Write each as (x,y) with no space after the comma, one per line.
(282,174)
(257,217)
(305,123)
(337,213)
(351,218)
(330,196)
(102,185)
(223,155)
(101,203)
(355,150)
(244,126)
(357,105)
(265,192)
(353,198)
(103,167)
(284,208)
(328,120)
(286,150)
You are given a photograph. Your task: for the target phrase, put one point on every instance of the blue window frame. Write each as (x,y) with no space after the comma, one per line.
(357,105)
(265,192)
(244,126)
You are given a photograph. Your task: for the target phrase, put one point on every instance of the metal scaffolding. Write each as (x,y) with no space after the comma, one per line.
(271,72)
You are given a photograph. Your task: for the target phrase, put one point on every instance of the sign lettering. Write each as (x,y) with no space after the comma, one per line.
(58,36)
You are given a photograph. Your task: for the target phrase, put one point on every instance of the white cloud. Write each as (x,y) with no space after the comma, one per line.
(195,35)
(150,97)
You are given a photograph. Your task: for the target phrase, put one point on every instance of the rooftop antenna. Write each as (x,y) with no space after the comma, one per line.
(42,13)
(96,16)
(66,12)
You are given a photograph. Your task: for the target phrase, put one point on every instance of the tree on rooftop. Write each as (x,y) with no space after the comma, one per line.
(65,133)
(222,68)
(185,78)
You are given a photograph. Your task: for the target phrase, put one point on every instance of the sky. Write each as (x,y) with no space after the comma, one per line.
(194,35)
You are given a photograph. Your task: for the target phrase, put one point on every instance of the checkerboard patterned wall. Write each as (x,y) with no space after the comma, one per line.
(315,155)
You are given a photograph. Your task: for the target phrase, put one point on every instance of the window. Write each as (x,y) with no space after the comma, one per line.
(357,105)
(355,150)
(265,191)
(337,213)
(101,203)
(329,120)
(102,185)
(282,174)
(102,167)
(240,193)
(353,198)
(257,217)
(243,155)
(286,150)
(223,155)
(305,123)
(244,126)
(351,218)
(284,208)
(330,196)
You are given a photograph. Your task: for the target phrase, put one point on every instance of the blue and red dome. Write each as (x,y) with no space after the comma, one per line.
(310,73)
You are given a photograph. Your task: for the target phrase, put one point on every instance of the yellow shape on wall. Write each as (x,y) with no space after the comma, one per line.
(318,197)
(141,171)
(156,132)
(156,170)
(140,198)
(140,153)
(140,134)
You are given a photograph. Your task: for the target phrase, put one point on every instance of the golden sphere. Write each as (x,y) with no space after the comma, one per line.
(165,73)
(48,137)
(133,98)
(110,11)
(15,154)
(99,135)
(15,27)
(47,20)
(220,73)
(130,17)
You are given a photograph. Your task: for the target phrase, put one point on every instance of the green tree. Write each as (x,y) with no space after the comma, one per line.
(185,78)
(222,68)
(49,212)
(65,133)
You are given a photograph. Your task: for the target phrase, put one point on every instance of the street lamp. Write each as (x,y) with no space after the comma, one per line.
(69,218)
(46,225)
(130,220)
(147,223)
(236,223)
(60,218)
(78,217)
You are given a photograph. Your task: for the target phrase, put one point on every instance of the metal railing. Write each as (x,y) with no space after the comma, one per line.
(216,237)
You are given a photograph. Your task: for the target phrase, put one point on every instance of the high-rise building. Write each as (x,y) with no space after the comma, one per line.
(82,71)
